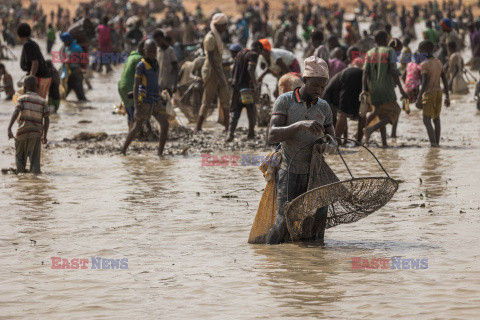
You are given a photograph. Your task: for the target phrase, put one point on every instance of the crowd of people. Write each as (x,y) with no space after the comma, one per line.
(162,48)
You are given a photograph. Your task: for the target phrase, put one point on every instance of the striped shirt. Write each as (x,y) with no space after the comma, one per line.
(33,109)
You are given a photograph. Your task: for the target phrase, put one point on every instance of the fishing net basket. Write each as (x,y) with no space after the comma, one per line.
(346,201)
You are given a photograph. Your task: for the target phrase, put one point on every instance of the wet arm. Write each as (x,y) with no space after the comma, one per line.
(175,72)
(396,78)
(422,87)
(446,67)
(449,85)
(251,72)
(365,79)
(46,125)
(34,68)
(332,145)
(191,76)
(445,85)
(15,114)
(279,131)
(136,86)
(330,129)
(180,73)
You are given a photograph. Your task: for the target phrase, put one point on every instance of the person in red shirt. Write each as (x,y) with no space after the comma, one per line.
(104,43)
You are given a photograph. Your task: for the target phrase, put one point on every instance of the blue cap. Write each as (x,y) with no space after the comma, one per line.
(448,23)
(66,37)
(235,47)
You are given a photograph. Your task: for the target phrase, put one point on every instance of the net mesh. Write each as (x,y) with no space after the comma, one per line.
(347,201)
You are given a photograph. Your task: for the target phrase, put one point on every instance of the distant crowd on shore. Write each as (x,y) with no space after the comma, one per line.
(200,61)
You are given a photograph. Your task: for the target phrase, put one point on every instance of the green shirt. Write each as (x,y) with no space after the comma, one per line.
(382,87)
(431,34)
(51,34)
(125,85)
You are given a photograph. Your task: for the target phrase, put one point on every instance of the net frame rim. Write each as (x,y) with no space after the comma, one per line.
(287,205)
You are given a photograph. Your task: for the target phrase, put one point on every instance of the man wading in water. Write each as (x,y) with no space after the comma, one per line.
(146,97)
(299,118)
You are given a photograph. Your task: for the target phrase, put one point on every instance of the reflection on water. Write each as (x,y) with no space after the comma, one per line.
(186,242)
(143,175)
(300,276)
(32,194)
(434,165)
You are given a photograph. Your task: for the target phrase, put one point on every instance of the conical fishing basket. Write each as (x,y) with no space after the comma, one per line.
(346,201)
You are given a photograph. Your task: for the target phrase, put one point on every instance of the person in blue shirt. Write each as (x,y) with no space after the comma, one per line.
(72,70)
(146,97)
(242,31)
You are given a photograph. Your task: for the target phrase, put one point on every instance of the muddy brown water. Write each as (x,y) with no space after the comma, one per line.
(184,235)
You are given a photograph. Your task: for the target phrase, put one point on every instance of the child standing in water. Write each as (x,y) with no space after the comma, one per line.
(32,113)
(430,96)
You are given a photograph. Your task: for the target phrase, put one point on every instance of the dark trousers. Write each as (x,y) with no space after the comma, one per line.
(50,45)
(107,65)
(29,148)
(236,109)
(75,83)
(297,185)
